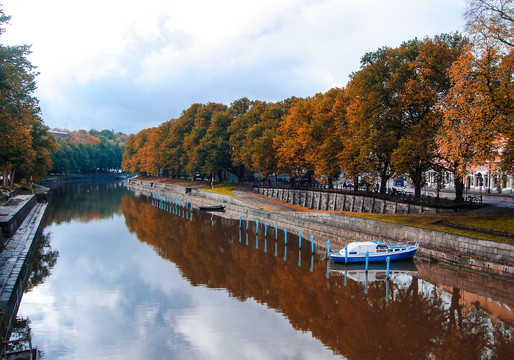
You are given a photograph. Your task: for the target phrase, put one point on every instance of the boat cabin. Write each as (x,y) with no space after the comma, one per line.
(367,246)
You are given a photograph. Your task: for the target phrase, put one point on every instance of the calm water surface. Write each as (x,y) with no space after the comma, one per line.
(135,278)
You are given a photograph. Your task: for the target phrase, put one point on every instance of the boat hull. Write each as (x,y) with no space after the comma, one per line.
(212,208)
(404,255)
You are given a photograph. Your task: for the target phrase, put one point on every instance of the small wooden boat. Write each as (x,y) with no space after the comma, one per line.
(213,208)
(374,251)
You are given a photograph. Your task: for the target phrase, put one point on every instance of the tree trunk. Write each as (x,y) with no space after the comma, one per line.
(241,174)
(417,190)
(459,189)
(356,183)
(383,184)
(417,178)
(12,177)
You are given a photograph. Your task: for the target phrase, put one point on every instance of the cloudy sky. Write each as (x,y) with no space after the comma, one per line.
(127,65)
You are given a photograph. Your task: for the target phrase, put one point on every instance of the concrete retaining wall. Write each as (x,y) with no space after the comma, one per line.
(340,201)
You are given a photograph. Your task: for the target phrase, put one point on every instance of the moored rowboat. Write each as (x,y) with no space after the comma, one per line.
(374,251)
(212,208)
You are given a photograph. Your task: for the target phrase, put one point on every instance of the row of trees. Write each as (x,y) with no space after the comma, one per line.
(88,152)
(440,103)
(25,144)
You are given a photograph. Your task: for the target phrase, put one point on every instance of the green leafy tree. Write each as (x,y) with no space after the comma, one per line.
(22,133)
(376,113)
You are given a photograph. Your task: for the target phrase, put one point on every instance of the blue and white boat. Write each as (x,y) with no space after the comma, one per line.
(374,251)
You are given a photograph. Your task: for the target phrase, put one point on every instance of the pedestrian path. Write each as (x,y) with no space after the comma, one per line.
(264,203)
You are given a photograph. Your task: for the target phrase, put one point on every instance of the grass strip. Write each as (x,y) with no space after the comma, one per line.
(499,228)
(224,188)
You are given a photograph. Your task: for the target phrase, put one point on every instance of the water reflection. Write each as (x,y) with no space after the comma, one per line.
(355,315)
(85,202)
(110,296)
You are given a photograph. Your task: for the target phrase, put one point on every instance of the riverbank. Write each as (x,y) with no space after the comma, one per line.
(21,219)
(469,253)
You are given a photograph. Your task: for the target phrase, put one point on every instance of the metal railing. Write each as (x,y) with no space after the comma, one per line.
(426,199)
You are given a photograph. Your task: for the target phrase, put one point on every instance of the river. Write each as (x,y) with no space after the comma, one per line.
(128,277)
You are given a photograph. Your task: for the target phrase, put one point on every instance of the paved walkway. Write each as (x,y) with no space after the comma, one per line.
(263,202)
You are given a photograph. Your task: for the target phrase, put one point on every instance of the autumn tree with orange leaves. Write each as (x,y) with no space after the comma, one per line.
(479,109)
(417,150)
(252,134)
(310,136)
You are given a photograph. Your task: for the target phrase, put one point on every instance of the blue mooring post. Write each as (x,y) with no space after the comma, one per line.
(346,254)
(246,224)
(285,235)
(328,248)
(256,226)
(265,229)
(299,258)
(312,263)
(367,260)
(240,219)
(312,244)
(387,271)
(387,290)
(300,240)
(276,232)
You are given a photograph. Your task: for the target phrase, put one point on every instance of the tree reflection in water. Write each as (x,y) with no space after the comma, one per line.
(418,321)
(44,260)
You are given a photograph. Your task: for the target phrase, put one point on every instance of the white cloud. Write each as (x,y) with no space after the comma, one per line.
(157,57)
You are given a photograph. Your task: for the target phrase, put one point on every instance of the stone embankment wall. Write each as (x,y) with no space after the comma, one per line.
(16,258)
(476,254)
(10,221)
(341,201)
